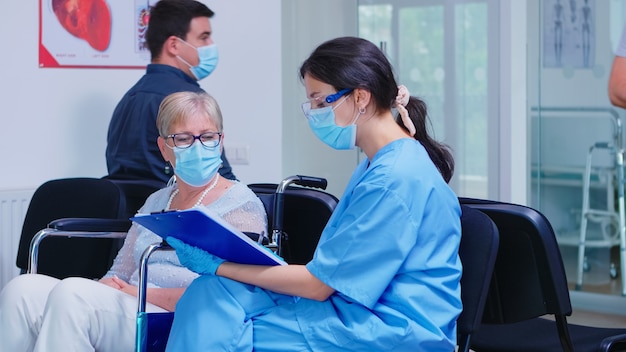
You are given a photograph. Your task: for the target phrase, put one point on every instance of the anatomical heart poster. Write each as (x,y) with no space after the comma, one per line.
(94,33)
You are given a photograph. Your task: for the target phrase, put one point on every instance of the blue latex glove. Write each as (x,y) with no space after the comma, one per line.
(194,258)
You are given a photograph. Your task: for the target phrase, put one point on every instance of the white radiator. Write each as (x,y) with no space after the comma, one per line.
(13,206)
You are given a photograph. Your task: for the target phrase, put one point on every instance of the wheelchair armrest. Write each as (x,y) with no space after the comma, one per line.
(76,227)
(90,225)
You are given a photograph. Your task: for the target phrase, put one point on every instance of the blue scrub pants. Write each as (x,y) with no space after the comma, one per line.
(219,314)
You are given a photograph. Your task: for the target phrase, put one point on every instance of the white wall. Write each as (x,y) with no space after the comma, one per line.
(55,120)
(304,28)
(247,83)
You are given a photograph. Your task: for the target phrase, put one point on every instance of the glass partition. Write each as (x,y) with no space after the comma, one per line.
(576,135)
(446,52)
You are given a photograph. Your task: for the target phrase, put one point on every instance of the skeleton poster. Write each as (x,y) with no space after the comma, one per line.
(568,33)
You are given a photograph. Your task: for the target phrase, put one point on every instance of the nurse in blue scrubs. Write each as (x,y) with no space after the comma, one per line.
(385,275)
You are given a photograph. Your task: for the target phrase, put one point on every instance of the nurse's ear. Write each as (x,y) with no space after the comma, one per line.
(362,98)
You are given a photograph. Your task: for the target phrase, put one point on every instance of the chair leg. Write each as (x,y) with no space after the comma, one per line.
(564,337)
(464,344)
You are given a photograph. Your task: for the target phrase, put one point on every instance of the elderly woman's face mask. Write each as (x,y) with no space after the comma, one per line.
(197,164)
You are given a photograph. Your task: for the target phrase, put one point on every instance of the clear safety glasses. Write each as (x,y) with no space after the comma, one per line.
(322,101)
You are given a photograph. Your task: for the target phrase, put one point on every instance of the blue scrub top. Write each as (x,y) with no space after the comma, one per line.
(390,250)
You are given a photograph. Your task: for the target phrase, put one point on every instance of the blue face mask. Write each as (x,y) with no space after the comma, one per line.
(207,60)
(197,165)
(322,122)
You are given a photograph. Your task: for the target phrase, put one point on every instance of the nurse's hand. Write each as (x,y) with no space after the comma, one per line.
(194,258)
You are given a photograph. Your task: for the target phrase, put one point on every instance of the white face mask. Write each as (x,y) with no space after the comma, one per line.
(207,60)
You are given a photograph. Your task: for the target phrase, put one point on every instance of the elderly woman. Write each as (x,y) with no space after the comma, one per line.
(42,313)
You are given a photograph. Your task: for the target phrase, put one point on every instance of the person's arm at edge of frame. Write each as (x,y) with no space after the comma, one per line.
(294,280)
(617,82)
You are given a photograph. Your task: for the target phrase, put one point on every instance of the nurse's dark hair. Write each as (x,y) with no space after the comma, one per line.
(350,62)
(172,18)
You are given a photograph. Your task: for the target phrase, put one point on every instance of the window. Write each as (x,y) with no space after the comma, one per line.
(441,50)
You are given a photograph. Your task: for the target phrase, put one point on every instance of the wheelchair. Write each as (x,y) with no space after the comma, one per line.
(296,216)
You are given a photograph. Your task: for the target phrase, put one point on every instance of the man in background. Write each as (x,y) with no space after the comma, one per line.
(182,53)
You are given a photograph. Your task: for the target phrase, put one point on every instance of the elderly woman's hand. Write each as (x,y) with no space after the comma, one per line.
(194,258)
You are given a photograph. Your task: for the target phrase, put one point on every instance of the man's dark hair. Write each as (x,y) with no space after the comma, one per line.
(172,17)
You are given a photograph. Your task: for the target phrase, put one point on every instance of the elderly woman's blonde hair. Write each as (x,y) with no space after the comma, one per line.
(177,107)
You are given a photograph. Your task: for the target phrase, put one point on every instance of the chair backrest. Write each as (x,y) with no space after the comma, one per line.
(135,191)
(71,197)
(79,198)
(305,214)
(478,251)
(529,277)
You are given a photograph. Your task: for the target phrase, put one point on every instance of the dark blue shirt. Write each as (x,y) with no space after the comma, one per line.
(132,150)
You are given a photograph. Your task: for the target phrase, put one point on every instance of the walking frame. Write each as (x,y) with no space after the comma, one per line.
(611,236)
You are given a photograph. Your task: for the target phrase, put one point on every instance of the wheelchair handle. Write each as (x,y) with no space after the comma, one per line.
(279,200)
(313,182)
(306,181)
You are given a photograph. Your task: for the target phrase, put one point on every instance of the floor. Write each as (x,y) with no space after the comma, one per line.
(581,317)
(597,274)
(596,279)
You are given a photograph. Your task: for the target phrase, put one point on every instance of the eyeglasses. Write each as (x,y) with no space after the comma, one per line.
(323,101)
(185,140)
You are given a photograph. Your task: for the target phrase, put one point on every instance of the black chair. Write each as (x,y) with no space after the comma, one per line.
(60,256)
(529,282)
(71,197)
(478,251)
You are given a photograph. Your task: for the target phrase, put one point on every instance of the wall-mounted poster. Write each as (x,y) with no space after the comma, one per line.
(93,33)
(568,33)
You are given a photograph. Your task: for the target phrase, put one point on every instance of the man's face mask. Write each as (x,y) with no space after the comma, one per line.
(207,60)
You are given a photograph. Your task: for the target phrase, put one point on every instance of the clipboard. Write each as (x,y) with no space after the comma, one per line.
(202,228)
